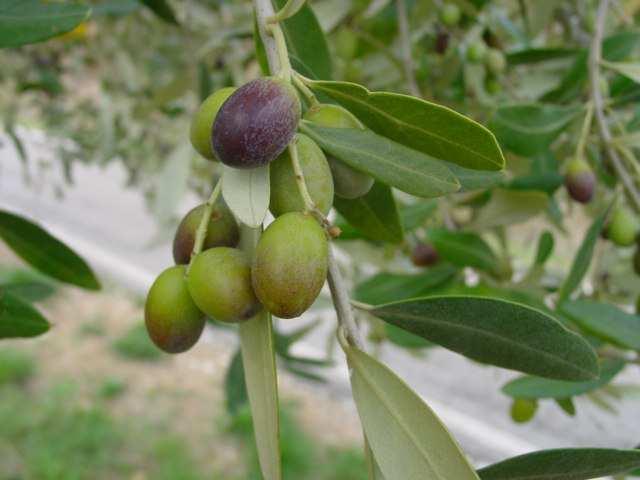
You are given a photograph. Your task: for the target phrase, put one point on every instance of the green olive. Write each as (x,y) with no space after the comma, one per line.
(495,61)
(285,195)
(173,320)
(476,51)
(220,284)
(202,123)
(348,182)
(290,266)
(523,410)
(623,227)
(222,231)
(450,14)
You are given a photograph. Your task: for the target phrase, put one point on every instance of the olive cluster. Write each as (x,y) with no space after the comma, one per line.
(247,128)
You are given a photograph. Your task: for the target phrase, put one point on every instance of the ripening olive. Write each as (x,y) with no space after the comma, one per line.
(523,409)
(220,284)
(495,61)
(580,181)
(442,42)
(476,52)
(173,320)
(450,14)
(285,196)
(222,231)
(424,255)
(290,266)
(347,182)
(256,123)
(623,227)
(202,123)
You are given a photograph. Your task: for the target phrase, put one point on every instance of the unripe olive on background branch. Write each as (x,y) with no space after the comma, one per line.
(222,231)
(348,182)
(450,14)
(219,281)
(285,196)
(256,123)
(173,320)
(623,227)
(291,264)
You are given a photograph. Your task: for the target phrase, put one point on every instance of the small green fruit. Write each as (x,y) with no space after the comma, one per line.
(523,410)
(256,123)
(623,227)
(450,14)
(220,284)
(285,196)
(495,61)
(202,123)
(580,181)
(348,182)
(476,52)
(290,265)
(222,231)
(173,320)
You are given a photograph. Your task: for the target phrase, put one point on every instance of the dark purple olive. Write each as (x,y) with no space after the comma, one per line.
(256,123)
(424,255)
(580,181)
(442,42)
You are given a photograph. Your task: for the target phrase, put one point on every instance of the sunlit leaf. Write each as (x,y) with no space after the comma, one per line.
(247,192)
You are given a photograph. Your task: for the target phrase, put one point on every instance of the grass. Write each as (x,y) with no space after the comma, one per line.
(111,388)
(15,366)
(136,345)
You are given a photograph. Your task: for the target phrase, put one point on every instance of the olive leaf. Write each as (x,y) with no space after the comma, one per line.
(258,359)
(162,10)
(415,215)
(582,260)
(497,332)
(546,243)
(427,127)
(30,21)
(247,193)
(464,249)
(605,321)
(389,162)
(406,437)
(628,69)
(374,214)
(508,207)
(18,318)
(44,252)
(531,387)
(563,464)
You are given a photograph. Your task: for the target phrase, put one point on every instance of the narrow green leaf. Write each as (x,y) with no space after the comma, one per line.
(537,55)
(390,287)
(628,69)
(547,182)
(605,321)
(415,215)
(30,21)
(374,214)
(567,406)
(258,359)
(476,179)
(537,387)
(45,252)
(582,260)
(306,41)
(427,127)
(19,319)
(529,129)
(496,332)
(407,439)
(235,385)
(247,193)
(464,249)
(510,207)
(545,248)
(162,10)
(563,464)
(389,162)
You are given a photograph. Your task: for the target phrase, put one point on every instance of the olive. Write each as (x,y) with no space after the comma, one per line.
(348,182)
(290,266)
(424,255)
(623,227)
(285,196)
(202,123)
(476,52)
(495,61)
(173,320)
(523,410)
(219,281)
(580,181)
(450,14)
(256,123)
(222,231)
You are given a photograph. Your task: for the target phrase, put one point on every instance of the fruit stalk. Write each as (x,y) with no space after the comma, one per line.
(201,233)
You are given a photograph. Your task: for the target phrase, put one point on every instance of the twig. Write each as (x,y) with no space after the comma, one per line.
(598,108)
(405,43)
(201,232)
